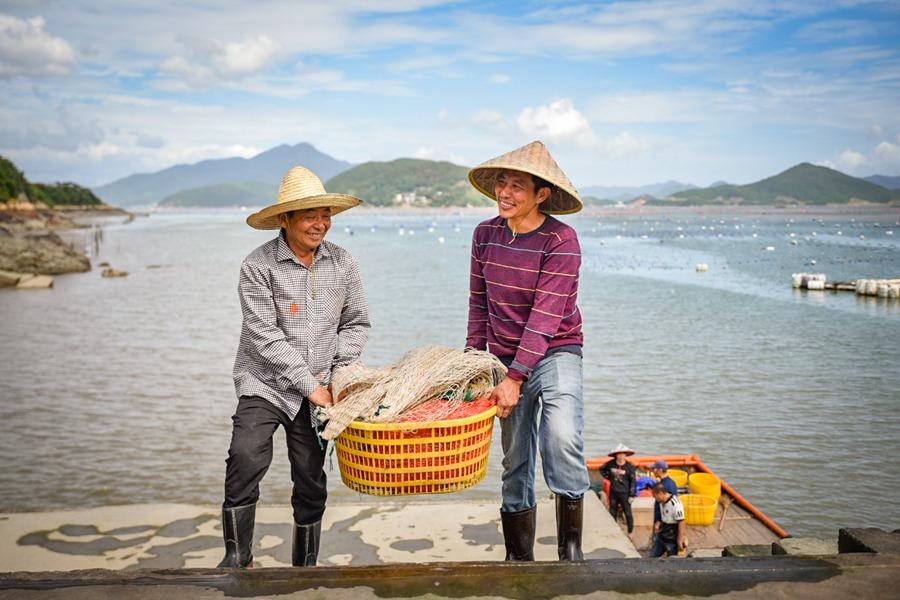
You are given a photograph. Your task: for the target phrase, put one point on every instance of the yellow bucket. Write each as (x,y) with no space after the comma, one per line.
(698,509)
(679,477)
(705,484)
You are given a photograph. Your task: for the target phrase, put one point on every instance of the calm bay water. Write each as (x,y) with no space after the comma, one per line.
(119,391)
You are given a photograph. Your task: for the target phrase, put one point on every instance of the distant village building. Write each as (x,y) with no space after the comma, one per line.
(411,199)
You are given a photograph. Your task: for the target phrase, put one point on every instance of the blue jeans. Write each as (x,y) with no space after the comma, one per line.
(554,387)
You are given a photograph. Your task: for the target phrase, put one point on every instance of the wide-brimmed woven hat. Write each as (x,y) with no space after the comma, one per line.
(535,159)
(300,189)
(621,448)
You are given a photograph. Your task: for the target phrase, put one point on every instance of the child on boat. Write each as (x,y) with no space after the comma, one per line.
(622,477)
(669,530)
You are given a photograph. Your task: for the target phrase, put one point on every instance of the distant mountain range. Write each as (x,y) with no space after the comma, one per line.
(624,193)
(408,181)
(801,184)
(224,195)
(265,168)
(885,181)
(417,182)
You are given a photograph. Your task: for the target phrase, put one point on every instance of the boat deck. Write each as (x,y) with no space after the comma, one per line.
(736,522)
(735,526)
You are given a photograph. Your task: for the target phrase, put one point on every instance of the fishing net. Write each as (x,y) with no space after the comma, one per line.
(435,378)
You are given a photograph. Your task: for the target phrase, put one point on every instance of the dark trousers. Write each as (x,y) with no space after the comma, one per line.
(662,547)
(617,499)
(250,455)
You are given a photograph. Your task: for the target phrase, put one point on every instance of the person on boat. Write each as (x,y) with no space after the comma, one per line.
(304,315)
(622,476)
(522,308)
(661,470)
(669,531)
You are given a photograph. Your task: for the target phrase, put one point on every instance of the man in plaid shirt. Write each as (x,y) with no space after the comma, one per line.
(305,315)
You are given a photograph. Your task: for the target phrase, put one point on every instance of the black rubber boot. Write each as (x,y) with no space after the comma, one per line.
(237,529)
(306,544)
(569,520)
(518,533)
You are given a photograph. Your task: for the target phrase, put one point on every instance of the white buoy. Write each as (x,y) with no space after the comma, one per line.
(402,231)
(812,261)
(794,242)
(889,232)
(441,240)
(871,287)
(770,248)
(702,267)
(862,237)
(815,284)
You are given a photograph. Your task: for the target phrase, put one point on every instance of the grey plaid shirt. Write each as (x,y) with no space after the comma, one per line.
(299,323)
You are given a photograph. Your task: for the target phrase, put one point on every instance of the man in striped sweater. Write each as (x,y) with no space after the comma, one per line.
(522,308)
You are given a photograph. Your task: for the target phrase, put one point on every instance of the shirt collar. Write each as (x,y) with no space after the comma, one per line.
(284,252)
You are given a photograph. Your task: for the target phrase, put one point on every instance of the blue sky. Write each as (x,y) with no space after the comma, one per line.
(623,93)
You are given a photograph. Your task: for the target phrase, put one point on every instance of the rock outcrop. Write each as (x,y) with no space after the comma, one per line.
(40,252)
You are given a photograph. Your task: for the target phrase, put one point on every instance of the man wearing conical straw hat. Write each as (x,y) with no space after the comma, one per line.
(522,308)
(305,315)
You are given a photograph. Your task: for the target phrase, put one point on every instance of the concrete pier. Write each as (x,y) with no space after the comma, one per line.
(366,533)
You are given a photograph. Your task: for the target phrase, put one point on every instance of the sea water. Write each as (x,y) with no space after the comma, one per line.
(119,391)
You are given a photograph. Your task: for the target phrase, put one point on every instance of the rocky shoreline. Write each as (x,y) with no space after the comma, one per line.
(30,249)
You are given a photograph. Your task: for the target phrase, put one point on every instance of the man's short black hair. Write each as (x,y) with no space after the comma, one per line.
(540,183)
(660,488)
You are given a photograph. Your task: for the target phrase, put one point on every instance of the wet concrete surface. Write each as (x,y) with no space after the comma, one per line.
(844,576)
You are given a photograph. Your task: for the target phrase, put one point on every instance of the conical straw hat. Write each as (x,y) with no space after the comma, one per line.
(535,159)
(621,448)
(300,189)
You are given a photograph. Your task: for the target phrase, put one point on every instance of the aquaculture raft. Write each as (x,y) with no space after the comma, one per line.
(418,457)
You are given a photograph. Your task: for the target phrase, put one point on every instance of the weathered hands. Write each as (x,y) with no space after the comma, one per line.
(506,396)
(321,397)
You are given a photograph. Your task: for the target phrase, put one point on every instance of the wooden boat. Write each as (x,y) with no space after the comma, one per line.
(736,522)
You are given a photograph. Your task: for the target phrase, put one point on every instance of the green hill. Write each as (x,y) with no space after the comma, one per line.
(224,195)
(408,181)
(802,184)
(13,185)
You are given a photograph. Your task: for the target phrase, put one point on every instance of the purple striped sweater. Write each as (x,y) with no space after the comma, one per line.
(523,292)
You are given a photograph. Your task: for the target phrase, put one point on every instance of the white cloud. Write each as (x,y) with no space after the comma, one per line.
(626,143)
(500,78)
(432,153)
(27,49)
(210,61)
(889,153)
(558,121)
(490,119)
(851,159)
